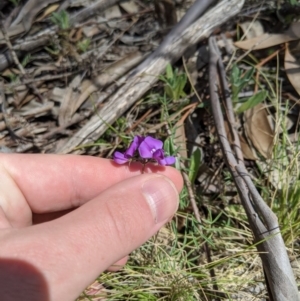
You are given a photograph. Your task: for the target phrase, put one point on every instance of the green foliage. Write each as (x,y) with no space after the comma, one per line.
(13,77)
(169,146)
(280,177)
(195,164)
(61,19)
(294,2)
(174,83)
(83,45)
(54,50)
(287,208)
(239,82)
(252,101)
(26,60)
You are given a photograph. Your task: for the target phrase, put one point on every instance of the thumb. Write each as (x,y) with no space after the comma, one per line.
(98,234)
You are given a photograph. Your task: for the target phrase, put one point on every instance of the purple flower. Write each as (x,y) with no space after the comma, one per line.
(148,148)
(159,156)
(151,148)
(134,145)
(121,158)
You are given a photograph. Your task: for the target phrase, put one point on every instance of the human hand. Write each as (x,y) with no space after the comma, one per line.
(66,219)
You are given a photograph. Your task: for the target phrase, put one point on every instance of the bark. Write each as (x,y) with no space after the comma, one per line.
(263,222)
(142,80)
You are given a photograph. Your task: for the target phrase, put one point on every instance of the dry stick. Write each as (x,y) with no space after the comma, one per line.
(229,110)
(13,135)
(60,129)
(43,37)
(190,192)
(140,120)
(193,13)
(3,107)
(92,10)
(262,220)
(159,125)
(141,82)
(17,62)
(190,79)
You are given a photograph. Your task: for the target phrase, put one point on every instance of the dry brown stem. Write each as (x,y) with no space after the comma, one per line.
(263,222)
(138,84)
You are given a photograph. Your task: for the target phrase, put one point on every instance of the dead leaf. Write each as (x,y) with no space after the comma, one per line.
(25,17)
(66,109)
(117,69)
(180,139)
(87,88)
(113,12)
(209,182)
(44,68)
(34,109)
(72,98)
(252,29)
(30,10)
(90,31)
(247,151)
(268,40)
(48,11)
(258,130)
(130,7)
(292,68)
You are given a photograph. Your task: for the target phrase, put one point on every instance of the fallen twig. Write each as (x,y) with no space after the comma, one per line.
(17,62)
(138,84)
(263,222)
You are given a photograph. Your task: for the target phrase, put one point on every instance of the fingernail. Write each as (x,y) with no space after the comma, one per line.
(162,197)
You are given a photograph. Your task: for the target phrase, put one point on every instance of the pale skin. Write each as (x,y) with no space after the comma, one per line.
(65,219)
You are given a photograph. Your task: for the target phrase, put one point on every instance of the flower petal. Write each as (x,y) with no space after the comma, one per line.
(137,140)
(145,151)
(158,155)
(120,158)
(154,143)
(167,161)
(149,146)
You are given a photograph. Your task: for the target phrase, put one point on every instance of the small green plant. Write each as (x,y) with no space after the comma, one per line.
(83,45)
(196,160)
(14,78)
(54,50)
(61,19)
(26,60)
(252,101)
(238,83)
(174,83)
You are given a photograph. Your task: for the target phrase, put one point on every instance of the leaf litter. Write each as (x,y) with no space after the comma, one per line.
(72,71)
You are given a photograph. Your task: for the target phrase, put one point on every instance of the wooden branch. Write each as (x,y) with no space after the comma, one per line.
(43,37)
(17,62)
(138,84)
(92,10)
(263,222)
(193,13)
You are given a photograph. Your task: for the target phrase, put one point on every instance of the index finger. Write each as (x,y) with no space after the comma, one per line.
(59,182)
